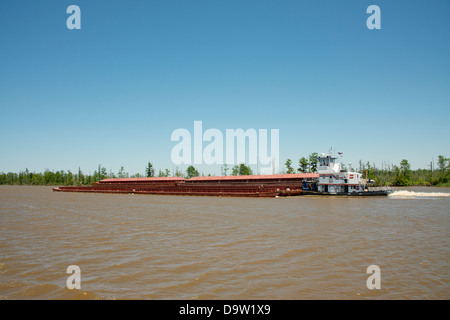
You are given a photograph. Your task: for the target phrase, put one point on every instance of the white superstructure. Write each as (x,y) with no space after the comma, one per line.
(334,178)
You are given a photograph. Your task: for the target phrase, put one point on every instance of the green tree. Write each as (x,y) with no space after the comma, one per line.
(369,171)
(165,173)
(405,169)
(58,177)
(100,174)
(69,180)
(191,172)
(245,170)
(224,169)
(235,170)
(122,173)
(79,178)
(103,173)
(402,174)
(442,163)
(313,158)
(289,166)
(149,171)
(37,179)
(24,177)
(303,165)
(49,177)
(178,173)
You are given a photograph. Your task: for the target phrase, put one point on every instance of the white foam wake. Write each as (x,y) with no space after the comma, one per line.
(406,194)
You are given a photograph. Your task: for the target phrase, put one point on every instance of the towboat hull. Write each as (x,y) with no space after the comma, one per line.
(348,194)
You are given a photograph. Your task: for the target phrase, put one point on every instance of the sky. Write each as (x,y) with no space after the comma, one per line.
(114,91)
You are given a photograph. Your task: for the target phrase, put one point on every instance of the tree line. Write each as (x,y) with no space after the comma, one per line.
(388,174)
(191,171)
(60,177)
(402,175)
(393,175)
(68,178)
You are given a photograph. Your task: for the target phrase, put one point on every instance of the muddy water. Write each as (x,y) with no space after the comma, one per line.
(173,247)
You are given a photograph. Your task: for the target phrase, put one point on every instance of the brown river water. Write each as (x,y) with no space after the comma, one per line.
(177,247)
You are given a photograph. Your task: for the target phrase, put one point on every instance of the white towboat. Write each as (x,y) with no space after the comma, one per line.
(335,179)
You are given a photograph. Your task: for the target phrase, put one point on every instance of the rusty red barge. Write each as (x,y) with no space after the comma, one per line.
(233,186)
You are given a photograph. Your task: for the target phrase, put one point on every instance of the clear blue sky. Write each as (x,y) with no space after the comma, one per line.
(113,92)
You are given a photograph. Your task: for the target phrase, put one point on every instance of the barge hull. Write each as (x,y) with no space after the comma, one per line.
(179,191)
(225,186)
